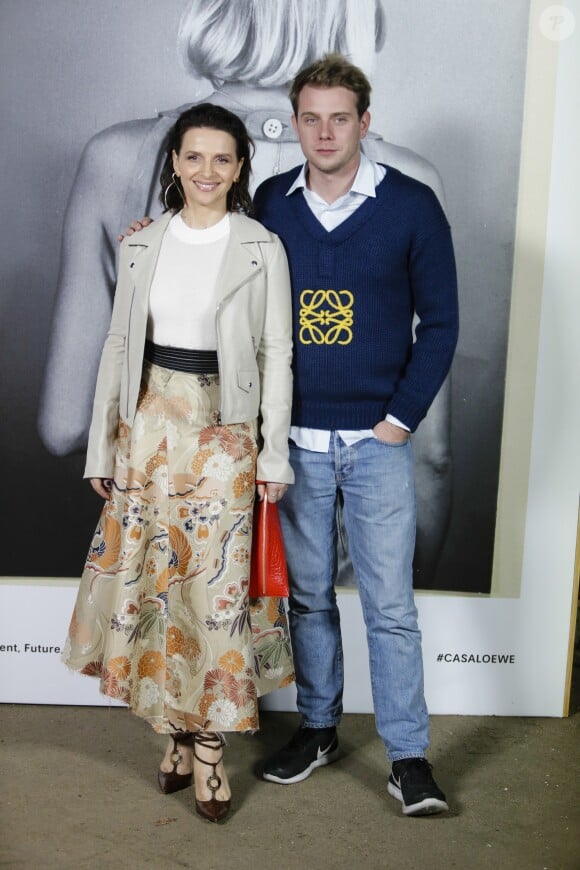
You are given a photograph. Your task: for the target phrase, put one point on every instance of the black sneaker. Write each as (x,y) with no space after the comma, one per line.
(309,748)
(412,783)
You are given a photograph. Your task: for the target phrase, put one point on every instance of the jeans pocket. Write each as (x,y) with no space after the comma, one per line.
(392,443)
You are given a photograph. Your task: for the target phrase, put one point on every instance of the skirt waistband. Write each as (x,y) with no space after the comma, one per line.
(182,359)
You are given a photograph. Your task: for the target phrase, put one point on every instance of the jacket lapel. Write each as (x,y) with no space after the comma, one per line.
(242,259)
(145,247)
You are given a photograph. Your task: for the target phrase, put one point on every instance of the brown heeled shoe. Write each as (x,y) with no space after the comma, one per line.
(170,780)
(213,810)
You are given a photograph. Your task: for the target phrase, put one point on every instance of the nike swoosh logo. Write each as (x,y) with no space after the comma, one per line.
(320,753)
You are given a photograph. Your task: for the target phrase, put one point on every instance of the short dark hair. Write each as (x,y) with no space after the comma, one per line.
(215,118)
(333,71)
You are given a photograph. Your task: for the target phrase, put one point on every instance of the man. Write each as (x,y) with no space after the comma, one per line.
(368,248)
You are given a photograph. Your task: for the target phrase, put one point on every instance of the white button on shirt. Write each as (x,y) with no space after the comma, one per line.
(272,128)
(331,215)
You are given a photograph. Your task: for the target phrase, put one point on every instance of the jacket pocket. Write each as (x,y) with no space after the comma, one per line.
(247,380)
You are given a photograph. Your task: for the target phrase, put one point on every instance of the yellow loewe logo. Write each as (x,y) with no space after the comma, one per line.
(326,325)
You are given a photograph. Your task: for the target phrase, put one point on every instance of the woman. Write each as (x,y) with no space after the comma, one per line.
(199,345)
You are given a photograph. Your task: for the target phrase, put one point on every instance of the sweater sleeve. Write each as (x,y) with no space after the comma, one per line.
(433,282)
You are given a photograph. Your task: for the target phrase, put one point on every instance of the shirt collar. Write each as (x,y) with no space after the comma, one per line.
(364,180)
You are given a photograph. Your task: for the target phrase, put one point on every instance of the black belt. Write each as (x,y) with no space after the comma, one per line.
(182,359)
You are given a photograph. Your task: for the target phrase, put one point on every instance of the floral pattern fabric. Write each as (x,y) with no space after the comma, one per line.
(162,615)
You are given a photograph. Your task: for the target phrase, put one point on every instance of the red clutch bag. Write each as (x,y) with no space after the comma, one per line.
(268,572)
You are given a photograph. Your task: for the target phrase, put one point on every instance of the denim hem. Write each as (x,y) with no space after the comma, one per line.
(403,756)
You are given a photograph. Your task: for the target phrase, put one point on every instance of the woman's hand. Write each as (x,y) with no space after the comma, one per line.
(275,491)
(102,486)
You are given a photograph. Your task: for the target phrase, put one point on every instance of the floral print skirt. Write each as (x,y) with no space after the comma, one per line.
(162,615)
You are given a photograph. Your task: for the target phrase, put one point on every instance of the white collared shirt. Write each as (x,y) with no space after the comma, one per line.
(369,175)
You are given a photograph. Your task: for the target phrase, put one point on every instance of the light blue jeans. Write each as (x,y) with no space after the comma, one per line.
(377,484)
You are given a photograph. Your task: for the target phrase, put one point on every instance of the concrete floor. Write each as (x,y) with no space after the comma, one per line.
(79,791)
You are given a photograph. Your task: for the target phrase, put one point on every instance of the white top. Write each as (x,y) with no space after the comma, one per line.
(369,175)
(183,298)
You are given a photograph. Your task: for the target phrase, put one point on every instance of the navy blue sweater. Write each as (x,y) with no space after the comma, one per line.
(355,290)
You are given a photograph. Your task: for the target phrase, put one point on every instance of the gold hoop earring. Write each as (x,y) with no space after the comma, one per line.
(173,183)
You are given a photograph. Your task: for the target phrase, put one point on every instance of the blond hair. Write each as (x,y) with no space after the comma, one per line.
(266,42)
(333,71)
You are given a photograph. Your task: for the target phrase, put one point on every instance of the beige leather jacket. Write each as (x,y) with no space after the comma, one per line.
(254,328)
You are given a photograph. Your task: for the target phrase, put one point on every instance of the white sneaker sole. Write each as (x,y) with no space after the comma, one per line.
(427,807)
(304,774)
